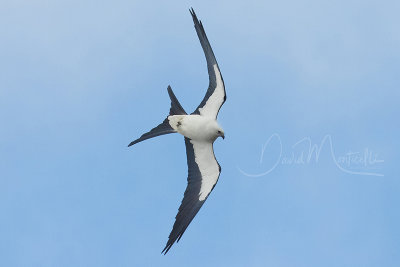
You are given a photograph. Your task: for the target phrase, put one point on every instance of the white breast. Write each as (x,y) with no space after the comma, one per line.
(194,127)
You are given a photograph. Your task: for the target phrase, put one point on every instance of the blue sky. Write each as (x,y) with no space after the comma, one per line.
(79,80)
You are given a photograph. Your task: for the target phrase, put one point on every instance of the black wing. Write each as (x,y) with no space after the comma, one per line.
(215,96)
(203,174)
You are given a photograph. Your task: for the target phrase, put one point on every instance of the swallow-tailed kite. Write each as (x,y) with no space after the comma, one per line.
(200,130)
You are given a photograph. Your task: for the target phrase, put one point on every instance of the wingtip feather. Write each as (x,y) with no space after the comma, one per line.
(132,143)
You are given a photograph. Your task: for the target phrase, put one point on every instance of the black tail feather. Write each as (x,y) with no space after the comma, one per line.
(176,108)
(164,127)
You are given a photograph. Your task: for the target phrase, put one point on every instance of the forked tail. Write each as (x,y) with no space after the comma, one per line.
(164,127)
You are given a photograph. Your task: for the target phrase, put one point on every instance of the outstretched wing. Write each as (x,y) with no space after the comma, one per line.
(215,96)
(203,174)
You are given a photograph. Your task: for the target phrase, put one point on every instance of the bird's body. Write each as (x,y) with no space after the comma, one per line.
(196,127)
(200,130)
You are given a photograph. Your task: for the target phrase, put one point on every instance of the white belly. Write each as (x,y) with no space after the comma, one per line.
(194,127)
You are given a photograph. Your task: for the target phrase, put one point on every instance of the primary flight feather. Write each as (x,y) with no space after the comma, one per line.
(200,130)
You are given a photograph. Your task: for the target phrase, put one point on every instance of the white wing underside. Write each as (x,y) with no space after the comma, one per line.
(203,174)
(208,166)
(215,101)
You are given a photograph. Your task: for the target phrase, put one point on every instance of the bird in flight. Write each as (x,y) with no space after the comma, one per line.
(200,130)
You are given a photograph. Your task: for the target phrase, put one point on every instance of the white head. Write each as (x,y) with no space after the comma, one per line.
(216,131)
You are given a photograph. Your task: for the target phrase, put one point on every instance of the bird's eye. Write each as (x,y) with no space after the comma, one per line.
(219,132)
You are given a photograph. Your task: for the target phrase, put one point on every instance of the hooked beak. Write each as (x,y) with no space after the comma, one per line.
(223,136)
